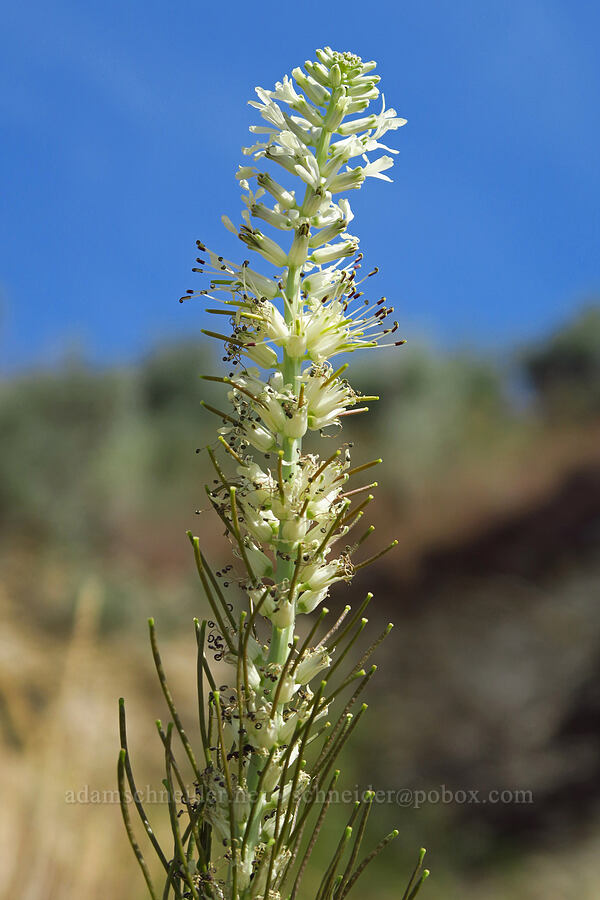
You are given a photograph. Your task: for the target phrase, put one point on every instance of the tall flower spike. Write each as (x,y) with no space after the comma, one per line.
(270,734)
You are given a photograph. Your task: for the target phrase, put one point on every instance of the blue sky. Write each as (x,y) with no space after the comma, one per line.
(121,127)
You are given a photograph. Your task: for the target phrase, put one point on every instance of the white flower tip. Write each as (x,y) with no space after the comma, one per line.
(229,224)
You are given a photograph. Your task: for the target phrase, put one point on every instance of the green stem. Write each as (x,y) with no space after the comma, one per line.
(282,638)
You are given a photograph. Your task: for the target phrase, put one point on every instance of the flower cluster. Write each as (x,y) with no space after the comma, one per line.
(292,516)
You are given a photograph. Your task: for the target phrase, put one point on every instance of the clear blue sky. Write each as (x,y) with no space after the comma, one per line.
(121,127)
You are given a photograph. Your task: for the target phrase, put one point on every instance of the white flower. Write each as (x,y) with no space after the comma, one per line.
(374,169)
(329,232)
(331,252)
(260,523)
(387,120)
(296,422)
(313,662)
(335,212)
(279,610)
(260,563)
(349,180)
(256,434)
(276,405)
(273,774)
(284,91)
(272,324)
(356,125)
(295,346)
(293,530)
(261,731)
(309,600)
(232,277)
(273,216)
(284,197)
(245,172)
(261,354)
(299,510)
(259,485)
(319,577)
(270,249)
(326,398)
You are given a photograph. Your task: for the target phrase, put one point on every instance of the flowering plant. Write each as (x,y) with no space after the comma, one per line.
(269,739)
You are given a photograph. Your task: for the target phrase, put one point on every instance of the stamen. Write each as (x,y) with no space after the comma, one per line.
(220,413)
(232,452)
(361,468)
(367,562)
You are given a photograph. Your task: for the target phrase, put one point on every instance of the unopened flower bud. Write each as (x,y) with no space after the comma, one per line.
(337,110)
(335,75)
(314,201)
(313,90)
(347,181)
(356,125)
(283,197)
(327,234)
(308,111)
(298,250)
(264,245)
(319,72)
(356,106)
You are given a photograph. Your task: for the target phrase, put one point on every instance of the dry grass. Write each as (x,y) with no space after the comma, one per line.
(60,718)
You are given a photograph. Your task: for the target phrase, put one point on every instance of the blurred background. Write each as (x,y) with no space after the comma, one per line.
(121,132)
